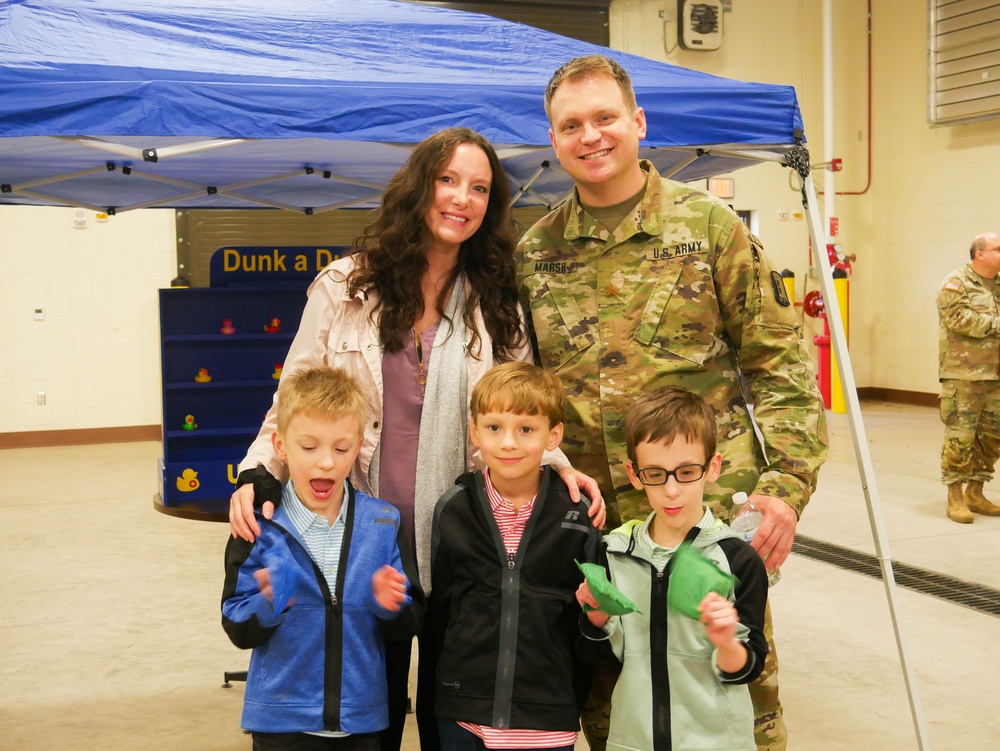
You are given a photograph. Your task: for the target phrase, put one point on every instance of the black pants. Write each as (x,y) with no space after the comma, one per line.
(306,742)
(397,673)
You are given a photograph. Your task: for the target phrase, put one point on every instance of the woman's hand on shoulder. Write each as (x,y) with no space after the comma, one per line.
(577,481)
(242,522)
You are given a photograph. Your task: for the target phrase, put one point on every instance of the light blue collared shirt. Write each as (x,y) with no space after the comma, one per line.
(323,540)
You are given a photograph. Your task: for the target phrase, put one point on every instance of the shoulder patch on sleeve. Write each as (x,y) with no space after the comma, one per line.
(952,286)
(780,292)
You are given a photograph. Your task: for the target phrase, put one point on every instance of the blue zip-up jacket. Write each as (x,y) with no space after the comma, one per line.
(319,664)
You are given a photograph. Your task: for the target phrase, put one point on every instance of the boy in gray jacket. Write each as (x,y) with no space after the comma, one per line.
(683,682)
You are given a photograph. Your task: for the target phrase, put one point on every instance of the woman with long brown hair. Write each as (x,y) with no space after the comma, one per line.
(424,307)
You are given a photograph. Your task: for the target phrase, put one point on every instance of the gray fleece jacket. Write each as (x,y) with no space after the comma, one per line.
(671,693)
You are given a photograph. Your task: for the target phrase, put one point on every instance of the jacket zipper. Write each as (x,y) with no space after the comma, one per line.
(506,637)
(662,740)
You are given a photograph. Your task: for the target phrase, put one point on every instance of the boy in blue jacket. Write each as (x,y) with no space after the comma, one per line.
(685,668)
(328,577)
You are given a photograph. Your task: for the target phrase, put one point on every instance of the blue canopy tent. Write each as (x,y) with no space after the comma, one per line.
(110,104)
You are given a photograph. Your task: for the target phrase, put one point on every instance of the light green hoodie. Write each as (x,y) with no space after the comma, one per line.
(702,708)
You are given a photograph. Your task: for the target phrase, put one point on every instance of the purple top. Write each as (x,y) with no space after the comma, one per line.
(402,404)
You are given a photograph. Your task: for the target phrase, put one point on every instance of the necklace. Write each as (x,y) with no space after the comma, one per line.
(421,373)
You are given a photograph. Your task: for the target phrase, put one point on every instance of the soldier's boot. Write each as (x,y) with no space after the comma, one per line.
(977,502)
(957,510)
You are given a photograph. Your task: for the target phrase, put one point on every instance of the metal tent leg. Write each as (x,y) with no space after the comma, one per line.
(868,485)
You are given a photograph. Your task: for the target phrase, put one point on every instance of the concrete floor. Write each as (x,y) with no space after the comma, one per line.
(111,639)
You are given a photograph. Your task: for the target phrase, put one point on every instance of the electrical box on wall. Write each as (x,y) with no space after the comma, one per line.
(699,24)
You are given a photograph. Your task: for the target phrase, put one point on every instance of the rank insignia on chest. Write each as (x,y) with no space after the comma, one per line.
(615,284)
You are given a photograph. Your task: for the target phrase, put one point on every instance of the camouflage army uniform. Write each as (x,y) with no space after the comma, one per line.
(680,294)
(969,369)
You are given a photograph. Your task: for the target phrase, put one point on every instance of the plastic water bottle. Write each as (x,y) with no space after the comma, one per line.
(745,524)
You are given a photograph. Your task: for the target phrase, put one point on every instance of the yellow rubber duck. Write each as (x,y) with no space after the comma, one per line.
(188,481)
(276,375)
(203,376)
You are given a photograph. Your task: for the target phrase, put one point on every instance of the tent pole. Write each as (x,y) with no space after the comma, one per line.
(681,164)
(160,153)
(526,186)
(839,340)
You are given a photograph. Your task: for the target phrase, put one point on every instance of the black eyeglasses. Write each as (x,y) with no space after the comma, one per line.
(683,474)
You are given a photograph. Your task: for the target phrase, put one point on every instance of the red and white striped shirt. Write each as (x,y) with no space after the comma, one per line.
(511,523)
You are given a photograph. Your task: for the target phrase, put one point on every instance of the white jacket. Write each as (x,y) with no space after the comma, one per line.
(339,330)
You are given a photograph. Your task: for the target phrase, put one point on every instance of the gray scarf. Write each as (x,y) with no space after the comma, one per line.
(444,426)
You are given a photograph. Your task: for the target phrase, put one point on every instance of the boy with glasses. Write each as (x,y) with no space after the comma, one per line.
(684,675)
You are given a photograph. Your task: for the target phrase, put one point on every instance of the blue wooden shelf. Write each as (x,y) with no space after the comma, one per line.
(198,468)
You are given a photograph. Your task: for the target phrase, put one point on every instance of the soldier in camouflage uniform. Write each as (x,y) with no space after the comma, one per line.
(638,282)
(969,370)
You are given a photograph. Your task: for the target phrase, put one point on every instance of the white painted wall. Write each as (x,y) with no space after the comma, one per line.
(96,352)
(936,189)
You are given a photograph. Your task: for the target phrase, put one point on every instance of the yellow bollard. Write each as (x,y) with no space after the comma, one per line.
(788,277)
(841,285)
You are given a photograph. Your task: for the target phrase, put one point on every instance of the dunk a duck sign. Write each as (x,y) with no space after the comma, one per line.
(264,264)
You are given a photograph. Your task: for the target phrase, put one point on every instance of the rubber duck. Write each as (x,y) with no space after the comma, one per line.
(203,376)
(189,423)
(188,481)
(273,327)
(276,375)
(227,327)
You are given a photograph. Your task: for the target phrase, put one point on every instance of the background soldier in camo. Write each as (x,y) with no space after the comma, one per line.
(969,370)
(638,282)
